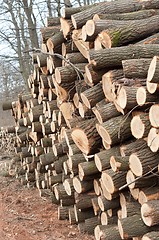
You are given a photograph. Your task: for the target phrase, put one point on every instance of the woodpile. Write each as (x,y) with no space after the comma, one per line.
(88,132)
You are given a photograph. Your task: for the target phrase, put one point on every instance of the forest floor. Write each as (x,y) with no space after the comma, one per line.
(24,215)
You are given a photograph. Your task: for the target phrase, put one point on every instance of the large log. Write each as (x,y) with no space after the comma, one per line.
(103,58)
(132,31)
(79,19)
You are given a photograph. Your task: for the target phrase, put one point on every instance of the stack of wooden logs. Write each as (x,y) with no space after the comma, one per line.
(88,132)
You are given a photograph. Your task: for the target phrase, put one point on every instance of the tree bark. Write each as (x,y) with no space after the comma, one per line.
(150,212)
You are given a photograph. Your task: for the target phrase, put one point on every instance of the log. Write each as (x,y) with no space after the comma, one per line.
(118,35)
(153,115)
(112,180)
(86,169)
(105,111)
(93,77)
(102,158)
(69,73)
(150,212)
(151,236)
(103,58)
(133,146)
(140,125)
(79,19)
(47,158)
(119,163)
(153,70)
(153,139)
(72,218)
(144,97)
(84,201)
(148,194)
(86,136)
(82,186)
(118,133)
(152,87)
(132,227)
(103,232)
(136,68)
(128,16)
(92,96)
(143,161)
(90,224)
(56,40)
(63,212)
(47,32)
(105,204)
(52,21)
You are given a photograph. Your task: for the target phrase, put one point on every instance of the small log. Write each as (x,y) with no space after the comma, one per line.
(132,146)
(52,21)
(150,212)
(93,77)
(72,218)
(84,201)
(47,158)
(90,224)
(47,32)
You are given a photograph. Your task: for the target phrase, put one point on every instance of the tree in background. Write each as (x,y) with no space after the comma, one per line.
(20,27)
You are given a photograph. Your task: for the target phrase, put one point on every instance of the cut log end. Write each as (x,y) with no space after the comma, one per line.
(105,39)
(90,27)
(80,139)
(85,100)
(135,165)
(137,127)
(145,213)
(105,135)
(141,96)
(152,68)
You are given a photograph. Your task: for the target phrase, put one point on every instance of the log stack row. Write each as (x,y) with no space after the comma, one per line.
(88,133)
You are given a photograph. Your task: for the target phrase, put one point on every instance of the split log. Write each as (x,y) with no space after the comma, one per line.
(107,81)
(150,212)
(103,58)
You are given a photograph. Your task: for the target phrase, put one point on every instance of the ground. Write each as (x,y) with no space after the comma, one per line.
(24,215)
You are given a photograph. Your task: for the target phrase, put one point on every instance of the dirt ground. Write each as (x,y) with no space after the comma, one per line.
(24,215)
